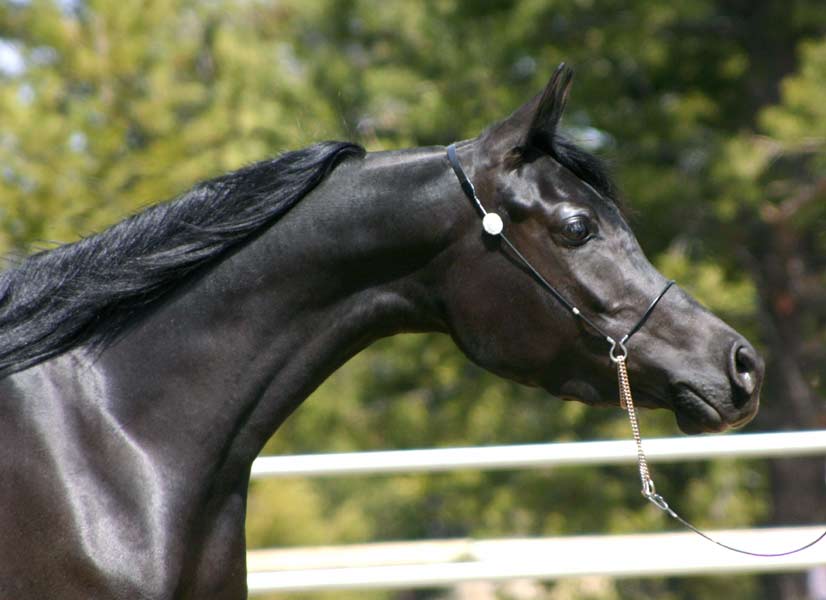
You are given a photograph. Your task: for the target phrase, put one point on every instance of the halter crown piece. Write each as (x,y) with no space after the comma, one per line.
(493,225)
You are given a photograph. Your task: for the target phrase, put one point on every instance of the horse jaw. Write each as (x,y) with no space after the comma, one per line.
(581,391)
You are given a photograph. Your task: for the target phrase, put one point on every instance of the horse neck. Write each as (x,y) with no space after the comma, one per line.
(230,357)
(143,450)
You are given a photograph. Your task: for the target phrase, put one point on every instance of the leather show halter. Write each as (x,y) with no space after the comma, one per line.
(493,225)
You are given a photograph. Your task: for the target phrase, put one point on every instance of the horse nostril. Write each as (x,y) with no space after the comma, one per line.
(745,368)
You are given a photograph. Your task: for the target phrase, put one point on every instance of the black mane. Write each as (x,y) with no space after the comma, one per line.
(589,168)
(84,292)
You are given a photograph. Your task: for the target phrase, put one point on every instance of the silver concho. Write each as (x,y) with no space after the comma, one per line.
(492,224)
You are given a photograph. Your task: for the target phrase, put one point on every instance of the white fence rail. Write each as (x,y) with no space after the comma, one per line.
(446,563)
(529,456)
(449,562)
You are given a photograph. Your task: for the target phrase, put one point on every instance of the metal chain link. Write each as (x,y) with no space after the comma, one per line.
(627,404)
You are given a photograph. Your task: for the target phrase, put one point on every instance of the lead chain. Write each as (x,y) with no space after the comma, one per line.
(627,404)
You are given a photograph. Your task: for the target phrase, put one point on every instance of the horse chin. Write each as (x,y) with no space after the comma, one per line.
(697,414)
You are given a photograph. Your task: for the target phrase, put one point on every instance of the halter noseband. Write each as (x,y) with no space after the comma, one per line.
(493,225)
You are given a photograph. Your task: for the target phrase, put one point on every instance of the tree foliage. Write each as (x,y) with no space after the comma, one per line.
(710,111)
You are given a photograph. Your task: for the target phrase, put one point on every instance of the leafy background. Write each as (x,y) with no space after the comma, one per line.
(711,113)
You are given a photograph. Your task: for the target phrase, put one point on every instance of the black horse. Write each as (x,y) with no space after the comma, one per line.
(144,368)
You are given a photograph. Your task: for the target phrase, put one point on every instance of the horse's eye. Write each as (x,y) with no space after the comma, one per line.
(577,230)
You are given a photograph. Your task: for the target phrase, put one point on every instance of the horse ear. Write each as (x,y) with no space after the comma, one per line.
(549,110)
(532,127)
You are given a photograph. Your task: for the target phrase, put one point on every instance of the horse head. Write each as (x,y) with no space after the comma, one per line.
(565,226)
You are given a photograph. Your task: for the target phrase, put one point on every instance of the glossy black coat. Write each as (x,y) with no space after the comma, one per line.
(124,459)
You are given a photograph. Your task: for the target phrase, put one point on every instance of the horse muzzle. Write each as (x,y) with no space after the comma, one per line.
(707,407)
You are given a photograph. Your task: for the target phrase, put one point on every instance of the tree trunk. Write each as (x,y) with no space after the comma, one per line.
(790,402)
